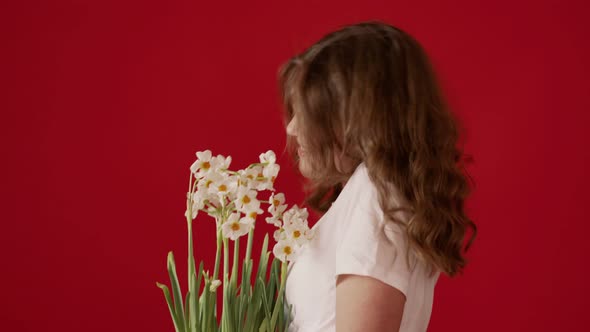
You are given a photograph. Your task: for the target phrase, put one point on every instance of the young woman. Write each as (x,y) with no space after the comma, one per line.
(369,128)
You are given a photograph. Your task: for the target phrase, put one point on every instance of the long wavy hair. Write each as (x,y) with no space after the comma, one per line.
(368,92)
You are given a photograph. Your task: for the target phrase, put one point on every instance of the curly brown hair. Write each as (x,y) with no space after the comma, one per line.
(368,92)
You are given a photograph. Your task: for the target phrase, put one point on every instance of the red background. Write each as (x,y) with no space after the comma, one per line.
(104,105)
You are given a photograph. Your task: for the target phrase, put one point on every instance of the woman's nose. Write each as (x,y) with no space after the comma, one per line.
(292,127)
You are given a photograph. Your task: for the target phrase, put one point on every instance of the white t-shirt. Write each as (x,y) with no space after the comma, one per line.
(349,240)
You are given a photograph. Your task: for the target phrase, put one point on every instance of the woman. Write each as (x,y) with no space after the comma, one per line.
(368,126)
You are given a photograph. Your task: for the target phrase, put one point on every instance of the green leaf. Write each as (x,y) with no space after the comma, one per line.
(276,271)
(278,308)
(252,312)
(195,301)
(178,307)
(255,309)
(271,288)
(265,300)
(288,318)
(169,302)
(245,287)
(263,262)
(265,326)
(186,309)
(207,305)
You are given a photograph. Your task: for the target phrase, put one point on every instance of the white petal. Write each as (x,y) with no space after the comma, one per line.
(214,284)
(204,155)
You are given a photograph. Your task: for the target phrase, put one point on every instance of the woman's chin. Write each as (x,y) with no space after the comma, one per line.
(304,168)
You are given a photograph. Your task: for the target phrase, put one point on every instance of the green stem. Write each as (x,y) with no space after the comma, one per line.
(191,260)
(224,312)
(217,254)
(225,257)
(234,271)
(192,281)
(249,251)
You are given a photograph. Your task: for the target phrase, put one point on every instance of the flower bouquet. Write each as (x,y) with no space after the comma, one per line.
(231,197)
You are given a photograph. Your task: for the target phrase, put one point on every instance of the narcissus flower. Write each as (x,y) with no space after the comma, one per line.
(285,250)
(298,232)
(268,157)
(252,210)
(197,204)
(277,204)
(246,198)
(234,227)
(295,214)
(202,165)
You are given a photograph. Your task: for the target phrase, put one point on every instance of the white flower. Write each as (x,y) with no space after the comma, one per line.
(213,203)
(213,187)
(224,185)
(279,234)
(295,215)
(198,204)
(268,157)
(254,176)
(204,184)
(245,198)
(202,165)
(276,204)
(252,210)
(260,177)
(274,220)
(214,284)
(233,192)
(243,180)
(271,171)
(268,176)
(298,232)
(221,162)
(234,227)
(285,249)
(248,176)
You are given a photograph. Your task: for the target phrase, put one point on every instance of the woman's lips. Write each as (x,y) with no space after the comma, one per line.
(300,151)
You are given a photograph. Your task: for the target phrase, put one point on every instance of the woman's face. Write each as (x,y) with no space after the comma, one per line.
(293,130)
(342,164)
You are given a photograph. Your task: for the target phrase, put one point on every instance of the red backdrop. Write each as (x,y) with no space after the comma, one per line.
(105,104)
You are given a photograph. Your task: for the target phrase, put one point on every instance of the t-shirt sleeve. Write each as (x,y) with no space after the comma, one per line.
(366,247)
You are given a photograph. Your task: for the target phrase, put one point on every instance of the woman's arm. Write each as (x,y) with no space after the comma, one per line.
(367,304)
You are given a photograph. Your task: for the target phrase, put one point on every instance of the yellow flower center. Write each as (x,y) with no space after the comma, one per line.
(205,165)
(222,187)
(235,226)
(296,234)
(246,199)
(253,215)
(276,202)
(287,250)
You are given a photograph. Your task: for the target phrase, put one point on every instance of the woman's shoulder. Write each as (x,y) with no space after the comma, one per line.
(361,193)
(361,189)
(358,201)
(360,180)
